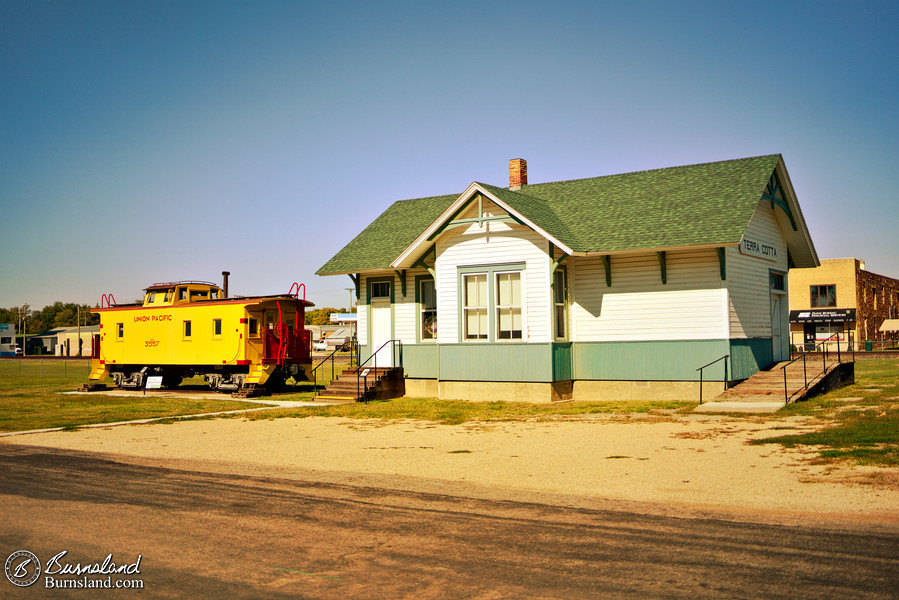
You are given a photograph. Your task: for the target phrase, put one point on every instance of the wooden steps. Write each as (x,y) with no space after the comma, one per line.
(768,386)
(375,384)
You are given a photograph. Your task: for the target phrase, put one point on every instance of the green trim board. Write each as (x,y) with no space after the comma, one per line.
(749,356)
(561,352)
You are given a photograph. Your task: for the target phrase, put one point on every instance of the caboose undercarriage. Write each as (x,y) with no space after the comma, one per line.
(221,378)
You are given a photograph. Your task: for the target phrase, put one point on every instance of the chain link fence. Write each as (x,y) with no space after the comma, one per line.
(45,366)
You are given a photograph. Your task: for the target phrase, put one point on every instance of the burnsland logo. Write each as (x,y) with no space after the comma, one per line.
(23,568)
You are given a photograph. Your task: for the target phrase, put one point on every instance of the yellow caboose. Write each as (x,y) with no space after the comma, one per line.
(188,328)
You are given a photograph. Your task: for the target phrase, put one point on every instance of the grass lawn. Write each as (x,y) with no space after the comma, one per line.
(33,399)
(454,412)
(860,422)
(863,419)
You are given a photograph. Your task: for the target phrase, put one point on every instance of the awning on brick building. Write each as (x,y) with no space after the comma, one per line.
(890,325)
(827,315)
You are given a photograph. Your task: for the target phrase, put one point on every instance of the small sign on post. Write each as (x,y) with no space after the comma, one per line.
(153,383)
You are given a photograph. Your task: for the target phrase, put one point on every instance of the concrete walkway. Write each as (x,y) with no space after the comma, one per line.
(265,403)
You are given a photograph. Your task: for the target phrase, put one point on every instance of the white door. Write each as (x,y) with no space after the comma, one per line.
(381,333)
(778,328)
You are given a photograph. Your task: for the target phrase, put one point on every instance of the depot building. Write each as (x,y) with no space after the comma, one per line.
(617,286)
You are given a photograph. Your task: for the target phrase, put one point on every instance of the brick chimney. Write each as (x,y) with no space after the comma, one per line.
(518,173)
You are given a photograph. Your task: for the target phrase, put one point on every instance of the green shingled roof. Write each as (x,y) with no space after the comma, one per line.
(706,204)
(388,235)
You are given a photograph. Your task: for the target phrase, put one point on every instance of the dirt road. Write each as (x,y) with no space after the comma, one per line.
(210,534)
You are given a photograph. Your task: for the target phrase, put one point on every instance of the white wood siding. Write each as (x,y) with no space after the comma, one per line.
(405,309)
(639,307)
(748,277)
(494,244)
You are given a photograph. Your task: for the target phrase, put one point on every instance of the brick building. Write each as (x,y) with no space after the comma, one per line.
(842,300)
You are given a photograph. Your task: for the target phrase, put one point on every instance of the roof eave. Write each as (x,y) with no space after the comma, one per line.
(657,249)
(411,254)
(799,242)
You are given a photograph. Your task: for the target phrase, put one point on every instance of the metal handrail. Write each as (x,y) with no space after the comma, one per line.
(823,345)
(724,358)
(315,368)
(363,377)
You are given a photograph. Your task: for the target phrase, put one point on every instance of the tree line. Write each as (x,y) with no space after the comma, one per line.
(322,316)
(58,314)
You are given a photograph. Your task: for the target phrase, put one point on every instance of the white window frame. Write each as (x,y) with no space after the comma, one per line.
(423,312)
(512,307)
(482,308)
(560,275)
(490,272)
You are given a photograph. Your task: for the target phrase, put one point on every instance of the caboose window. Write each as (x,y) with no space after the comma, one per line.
(182,293)
(120,330)
(187,329)
(217,327)
(151,297)
(168,296)
(254,328)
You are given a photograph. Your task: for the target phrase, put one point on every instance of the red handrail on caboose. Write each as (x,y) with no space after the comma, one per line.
(297,295)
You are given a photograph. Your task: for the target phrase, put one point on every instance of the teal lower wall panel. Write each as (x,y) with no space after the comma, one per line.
(750,356)
(662,360)
(562,361)
(496,362)
(613,361)
(421,361)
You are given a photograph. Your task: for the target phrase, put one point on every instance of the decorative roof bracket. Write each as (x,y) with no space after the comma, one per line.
(402,276)
(554,263)
(356,278)
(663,266)
(770,194)
(607,264)
(421,263)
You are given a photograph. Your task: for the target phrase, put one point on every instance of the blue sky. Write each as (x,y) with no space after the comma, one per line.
(159,141)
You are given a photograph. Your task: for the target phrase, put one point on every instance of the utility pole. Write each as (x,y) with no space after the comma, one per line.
(351,291)
(24,326)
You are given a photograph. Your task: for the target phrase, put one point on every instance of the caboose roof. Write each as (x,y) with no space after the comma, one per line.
(171,284)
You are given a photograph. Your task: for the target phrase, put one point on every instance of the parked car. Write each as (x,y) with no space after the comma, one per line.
(18,351)
(322,345)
